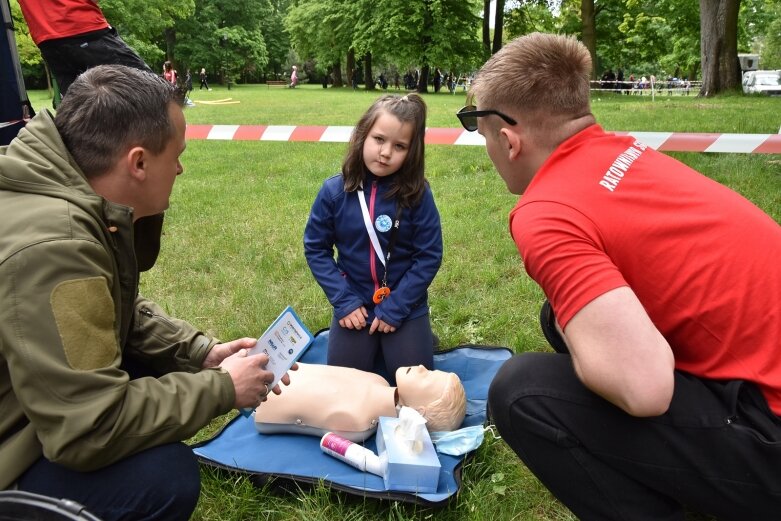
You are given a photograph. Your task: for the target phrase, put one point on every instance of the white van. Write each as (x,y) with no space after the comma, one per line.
(765,82)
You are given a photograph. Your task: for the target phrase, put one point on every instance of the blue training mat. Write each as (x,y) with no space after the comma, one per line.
(239,447)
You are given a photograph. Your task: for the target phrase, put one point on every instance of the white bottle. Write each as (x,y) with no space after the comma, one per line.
(351,453)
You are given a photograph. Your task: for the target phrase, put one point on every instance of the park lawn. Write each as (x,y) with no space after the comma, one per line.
(232,259)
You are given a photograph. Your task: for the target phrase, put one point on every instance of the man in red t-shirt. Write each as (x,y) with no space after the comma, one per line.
(664,307)
(73,35)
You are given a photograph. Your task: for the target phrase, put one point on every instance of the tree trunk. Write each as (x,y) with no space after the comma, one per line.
(719,46)
(498,26)
(337,74)
(588,15)
(426,43)
(487,27)
(423,81)
(351,66)
(367,71)
(170,45)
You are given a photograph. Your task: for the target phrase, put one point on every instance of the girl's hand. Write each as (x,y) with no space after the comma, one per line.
(355,320)
(381,326)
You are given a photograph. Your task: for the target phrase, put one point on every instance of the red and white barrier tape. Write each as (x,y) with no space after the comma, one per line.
(664,141)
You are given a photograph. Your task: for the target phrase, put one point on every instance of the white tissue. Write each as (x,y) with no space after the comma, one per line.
(411,430)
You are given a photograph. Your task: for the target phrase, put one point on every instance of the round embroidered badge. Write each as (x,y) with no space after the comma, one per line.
(383,223)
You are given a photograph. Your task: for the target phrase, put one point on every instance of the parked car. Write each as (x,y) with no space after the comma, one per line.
(764,82)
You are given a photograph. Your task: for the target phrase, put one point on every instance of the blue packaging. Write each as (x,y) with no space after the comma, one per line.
(405,470)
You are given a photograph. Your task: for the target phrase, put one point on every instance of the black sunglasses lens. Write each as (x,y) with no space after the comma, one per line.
(468,120)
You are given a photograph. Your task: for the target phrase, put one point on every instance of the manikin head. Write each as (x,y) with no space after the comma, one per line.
(437,395)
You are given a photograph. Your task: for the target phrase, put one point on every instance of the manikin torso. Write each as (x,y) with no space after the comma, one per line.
(323,398)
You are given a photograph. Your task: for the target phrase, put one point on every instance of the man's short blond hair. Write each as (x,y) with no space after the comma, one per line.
(542,77)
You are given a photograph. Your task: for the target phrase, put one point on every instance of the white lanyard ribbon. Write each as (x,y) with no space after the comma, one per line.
(367,221)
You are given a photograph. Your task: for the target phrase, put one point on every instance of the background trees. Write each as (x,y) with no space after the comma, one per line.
(252,40)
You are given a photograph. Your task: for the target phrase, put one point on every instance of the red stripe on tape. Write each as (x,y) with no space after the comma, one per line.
(442,136)
(307,133)
(688,142)
(197,131)
(249,132)
(771,145)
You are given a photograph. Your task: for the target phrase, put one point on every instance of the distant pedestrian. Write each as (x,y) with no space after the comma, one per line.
(188,88)
(204,83)
(169,73)
(437,79)
(294,77)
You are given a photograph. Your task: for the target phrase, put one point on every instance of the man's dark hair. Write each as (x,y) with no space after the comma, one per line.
(110,108)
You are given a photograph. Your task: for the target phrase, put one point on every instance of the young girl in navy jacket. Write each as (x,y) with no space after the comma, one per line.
(380,216)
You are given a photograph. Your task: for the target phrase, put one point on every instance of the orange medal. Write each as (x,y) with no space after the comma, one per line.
(380,294)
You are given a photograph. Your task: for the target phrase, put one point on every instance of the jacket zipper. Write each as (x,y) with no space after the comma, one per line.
(147,312)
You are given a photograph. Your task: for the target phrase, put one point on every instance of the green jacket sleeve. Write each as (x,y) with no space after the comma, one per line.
(164,343)
(59,335)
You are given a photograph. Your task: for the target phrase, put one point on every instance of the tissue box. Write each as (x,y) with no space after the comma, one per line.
(404,470)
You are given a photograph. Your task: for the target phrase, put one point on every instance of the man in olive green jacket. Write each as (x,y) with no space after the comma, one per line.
(73,423)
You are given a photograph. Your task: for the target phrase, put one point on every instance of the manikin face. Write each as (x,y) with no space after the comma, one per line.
(387,145)
(419,387)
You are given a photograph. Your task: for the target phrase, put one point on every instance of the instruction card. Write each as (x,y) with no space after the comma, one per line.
(284,342)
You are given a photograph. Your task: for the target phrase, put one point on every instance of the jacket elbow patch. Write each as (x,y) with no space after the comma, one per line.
(84,312)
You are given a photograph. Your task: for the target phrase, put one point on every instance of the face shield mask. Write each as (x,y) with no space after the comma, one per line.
(458,442)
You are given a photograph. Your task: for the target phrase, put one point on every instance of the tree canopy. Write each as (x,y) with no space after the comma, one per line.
(251,40)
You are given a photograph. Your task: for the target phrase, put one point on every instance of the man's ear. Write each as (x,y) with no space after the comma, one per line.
(512,142)
(136,159)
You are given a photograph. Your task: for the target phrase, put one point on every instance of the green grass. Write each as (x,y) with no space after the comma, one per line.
(232,259)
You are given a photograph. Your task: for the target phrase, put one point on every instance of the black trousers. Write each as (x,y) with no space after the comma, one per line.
(411,344)
(716,451)
(69,57)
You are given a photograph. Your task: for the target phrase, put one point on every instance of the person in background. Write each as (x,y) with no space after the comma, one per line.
(98,386)
(380,215)
(188,88)
(73,35)
(202,76)
(169,73)
(294,77)
(663,306)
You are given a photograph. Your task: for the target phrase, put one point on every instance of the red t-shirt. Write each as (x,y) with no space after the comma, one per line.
(604,211)
(52,19)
